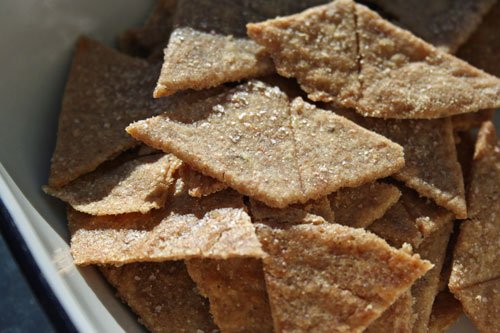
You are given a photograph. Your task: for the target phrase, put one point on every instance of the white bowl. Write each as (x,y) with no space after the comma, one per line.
(37,38)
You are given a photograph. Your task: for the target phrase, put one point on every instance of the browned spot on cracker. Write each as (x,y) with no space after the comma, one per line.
(215,227)
(331,278)
(162,295)
(138,185)
(445,312)
(237,293)
(378,69)
(359,207)
(397,318)
(253,140)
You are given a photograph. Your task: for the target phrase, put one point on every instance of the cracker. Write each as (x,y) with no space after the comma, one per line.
(425,289)
(214,227)
(484,39)
(253,140)
(475,254)
(465,154)
(359,207)
(237,293)
(162,295)
(332,278)
(445,312)
(153,35)
(139,185)
(199,185)
(444,24)
(379,69)
(106,90)
(397,318)
(468,121)
(481,303)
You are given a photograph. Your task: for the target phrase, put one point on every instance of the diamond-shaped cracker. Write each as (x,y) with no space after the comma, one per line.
(162,295)
(331,278)
(442,23)
(445,312)
(359,207)
(106,90)
(237,293)
(476,252)
(214,227)
(253,140)
(138,185)
(397,318)
(378,69)
(425,289)
(484,39)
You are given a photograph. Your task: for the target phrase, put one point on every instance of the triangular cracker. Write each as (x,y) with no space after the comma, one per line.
(138,185)
(347,54)
(397,318)
(214,227)
(163,295)
(106,91)
(476,252)
(445,312)
(358,207)
(253,140)
(237,293)
(332,278)
(482,49)
(442,23)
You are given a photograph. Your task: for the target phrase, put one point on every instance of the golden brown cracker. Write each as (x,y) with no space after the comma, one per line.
(216,227)
(162,295)
(332,278)
(199,185)
(253,140)
(358,207)
(398,318)
(237,293)
(106,90)
(482,49)
(138,185)
(425,289)
(468,121)
(445,312)
(444,24)
(475,254)
(379,69)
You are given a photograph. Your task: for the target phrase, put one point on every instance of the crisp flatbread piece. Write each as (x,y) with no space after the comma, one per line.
(332,278)
(475,256)
(425,289)
(257,142)
(358,207)
(106,90)
(442,23)
(481,303)
(199,185)
(482,49)
(162,295)
(445,312)
(378,69)
(468,121)
(398,318)
(237,293)
(215,227)
(138,185)
(153,35)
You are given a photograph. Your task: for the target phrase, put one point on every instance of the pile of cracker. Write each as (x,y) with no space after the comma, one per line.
(303,166)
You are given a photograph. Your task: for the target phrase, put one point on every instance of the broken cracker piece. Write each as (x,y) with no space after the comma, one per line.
(444,24)
(475,254)
(106,90)
(445,312)
(332,278)
(378,69)
(398,318)
(162,295)
(138,185)
(199,185)
(359,207)
(237,293)
(214,227)
(253,140)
